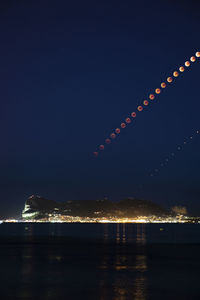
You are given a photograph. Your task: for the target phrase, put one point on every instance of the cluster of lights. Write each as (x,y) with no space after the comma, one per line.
(139,219)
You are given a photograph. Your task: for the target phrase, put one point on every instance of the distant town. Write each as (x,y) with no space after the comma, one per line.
(130,210)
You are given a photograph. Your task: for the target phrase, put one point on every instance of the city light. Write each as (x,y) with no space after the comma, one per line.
(77,219)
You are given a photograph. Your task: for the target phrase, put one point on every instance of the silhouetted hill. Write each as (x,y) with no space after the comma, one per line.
(38,207)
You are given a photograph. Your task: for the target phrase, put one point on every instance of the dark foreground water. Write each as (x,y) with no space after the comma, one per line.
(100,261)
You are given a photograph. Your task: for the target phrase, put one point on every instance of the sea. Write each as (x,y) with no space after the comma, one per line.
(78,261)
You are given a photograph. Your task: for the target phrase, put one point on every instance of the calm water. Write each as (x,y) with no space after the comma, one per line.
(100,261)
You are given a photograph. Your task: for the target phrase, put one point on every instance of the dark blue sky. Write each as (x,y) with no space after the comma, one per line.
(70,72)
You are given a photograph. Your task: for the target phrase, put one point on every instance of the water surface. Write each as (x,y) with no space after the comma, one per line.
(100,261)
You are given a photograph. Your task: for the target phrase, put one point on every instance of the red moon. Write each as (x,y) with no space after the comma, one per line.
(175,74)
(113,135)
(108,141)
(157,91)
(169,79)
(117,130)
(133,114)
(151,97)
(197,54)
(193,59)
(128,120)
(163,85)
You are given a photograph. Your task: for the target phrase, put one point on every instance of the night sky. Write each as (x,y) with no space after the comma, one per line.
(71,72)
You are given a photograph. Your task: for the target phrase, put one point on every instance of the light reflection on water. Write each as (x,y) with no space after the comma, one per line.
(25,291)
(140,235)
(118,234)
(124,274)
